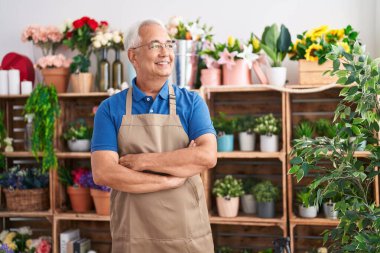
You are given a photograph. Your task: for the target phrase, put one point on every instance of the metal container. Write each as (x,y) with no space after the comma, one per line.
(186,63)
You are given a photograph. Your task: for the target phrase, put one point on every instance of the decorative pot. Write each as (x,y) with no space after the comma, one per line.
(238,74)
(265,209)
(186,63)
(211,77)
(269,143)
(276,76)
(80,199)
(328,209)
(247,141)
(308,212)
(248,203)
(102,201)
(117,71)
(225,143)
(59,77)
(81,82)
(227,207)
(103,75)
(79,145)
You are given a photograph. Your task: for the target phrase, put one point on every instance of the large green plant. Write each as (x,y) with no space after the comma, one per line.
(228,187)
(276,43)
(357,115)
(265,191)
(43,103)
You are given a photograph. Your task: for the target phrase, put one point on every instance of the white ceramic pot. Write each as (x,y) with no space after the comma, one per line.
(247,141)
(79,145)
(227,207)
(328,209)
(276,76)
(248,203)
(269,143)
(308,212)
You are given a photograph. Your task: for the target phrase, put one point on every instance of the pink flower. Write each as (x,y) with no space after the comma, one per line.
(43,247)
(53,61)
(210,62)
(227,58)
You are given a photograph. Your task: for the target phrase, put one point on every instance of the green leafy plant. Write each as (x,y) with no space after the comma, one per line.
(224,249)
(266,251)
(276,43)
(248,184)
(357,115)
(304,129)
(78,131)
(265,192)
(228,187)
(43,103)
(324,127)
(64,176)
(267,125)
(224,125)
(245,123)
(246,251)
(306,198)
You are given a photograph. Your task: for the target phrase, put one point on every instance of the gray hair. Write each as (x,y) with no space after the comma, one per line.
(133,37)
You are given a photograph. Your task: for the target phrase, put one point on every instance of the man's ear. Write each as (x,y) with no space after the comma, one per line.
(132,56)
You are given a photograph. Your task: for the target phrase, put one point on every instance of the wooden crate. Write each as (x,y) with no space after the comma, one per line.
(311,73)
(307,238)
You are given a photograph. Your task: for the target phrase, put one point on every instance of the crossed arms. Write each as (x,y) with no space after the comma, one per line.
(125,173)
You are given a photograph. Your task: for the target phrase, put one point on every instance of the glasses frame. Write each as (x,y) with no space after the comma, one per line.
(162,45)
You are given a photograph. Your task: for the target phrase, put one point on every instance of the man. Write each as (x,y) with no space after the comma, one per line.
(141,148)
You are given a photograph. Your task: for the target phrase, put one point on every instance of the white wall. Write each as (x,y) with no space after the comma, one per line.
(237,18)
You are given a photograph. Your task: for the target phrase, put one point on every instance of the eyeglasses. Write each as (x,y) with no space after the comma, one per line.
(156,45)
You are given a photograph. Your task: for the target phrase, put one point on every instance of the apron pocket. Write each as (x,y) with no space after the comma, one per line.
(194,189)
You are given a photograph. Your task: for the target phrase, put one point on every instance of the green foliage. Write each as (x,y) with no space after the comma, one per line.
(224,249)
(267,125)
(248,184)
(304,129)
(276,43)
(349,179)
(266,251)
(324,127)
(43,103)
(64,176)
(245,123)
(78,131)
(228,187)
(265,192)
(246,251)
(224,125)
(80,63)
(306,197)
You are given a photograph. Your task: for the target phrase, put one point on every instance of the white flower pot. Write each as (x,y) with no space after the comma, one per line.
(247,141)
(361,146)
(269,143)
(248,203)
(276,76)
(79,145)
(227,207)
(328,209)
(308,212)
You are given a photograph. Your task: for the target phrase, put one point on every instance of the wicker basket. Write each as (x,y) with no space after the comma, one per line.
(27,200)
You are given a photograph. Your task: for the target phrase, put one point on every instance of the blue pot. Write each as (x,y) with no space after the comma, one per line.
(226,143)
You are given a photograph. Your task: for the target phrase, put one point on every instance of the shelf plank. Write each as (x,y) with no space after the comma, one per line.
(61,155)
(318,221)
(60,215)
(30,214)
(62,95)
(237,88)
(247,220)
(242,154)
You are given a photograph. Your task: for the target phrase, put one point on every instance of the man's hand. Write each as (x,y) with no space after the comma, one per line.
(135,161)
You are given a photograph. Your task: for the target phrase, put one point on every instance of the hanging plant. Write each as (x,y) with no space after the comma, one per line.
(43,103)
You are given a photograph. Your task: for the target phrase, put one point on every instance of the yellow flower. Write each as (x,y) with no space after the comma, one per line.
(256,45)
(12,245)
(338,33)
(310,52)
(29,243)
(231,41)
(345,46)
(10,236)
(317,32)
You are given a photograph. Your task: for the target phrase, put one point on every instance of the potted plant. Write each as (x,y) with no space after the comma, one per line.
(329,208)
(55,69)
(324,127)
(275,44)
(268,127)
(248,201)
(225,128)
(304,129)
(236,59)
(312,46)
(245,126)
(77,183)
(224,249)
(100,195)
(227,191)
(77,35)
(211,75)
(25,189)
(265,194)
(78,136)
(306,201)
(43,103)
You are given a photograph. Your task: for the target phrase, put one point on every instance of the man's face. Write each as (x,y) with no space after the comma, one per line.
(153,61)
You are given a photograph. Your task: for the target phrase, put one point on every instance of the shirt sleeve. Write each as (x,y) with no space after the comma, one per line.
(200,122)
(104,136)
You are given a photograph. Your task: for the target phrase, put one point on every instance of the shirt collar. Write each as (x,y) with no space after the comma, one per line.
(138,94)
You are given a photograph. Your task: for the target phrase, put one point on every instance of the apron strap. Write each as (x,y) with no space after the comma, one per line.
(128,105)
(172,101)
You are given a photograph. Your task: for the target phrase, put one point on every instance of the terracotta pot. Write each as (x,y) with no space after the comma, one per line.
(227,207)
(81,82)
(59,77)
(211,77)
(238,74)
(102,201)
(80,199)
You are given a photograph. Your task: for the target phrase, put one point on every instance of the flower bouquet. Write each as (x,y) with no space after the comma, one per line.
(48,38)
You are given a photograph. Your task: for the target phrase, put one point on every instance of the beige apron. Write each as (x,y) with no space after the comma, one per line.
(169,221)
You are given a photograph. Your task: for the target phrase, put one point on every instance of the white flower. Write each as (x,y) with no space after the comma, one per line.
(247,55)
(195,31)
(3,234)
(116,38)
(175,20)
(96,44)
(104,41)
(108,36)
(24,231)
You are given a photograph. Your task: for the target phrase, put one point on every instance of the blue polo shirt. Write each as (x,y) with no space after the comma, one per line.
(192,111)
